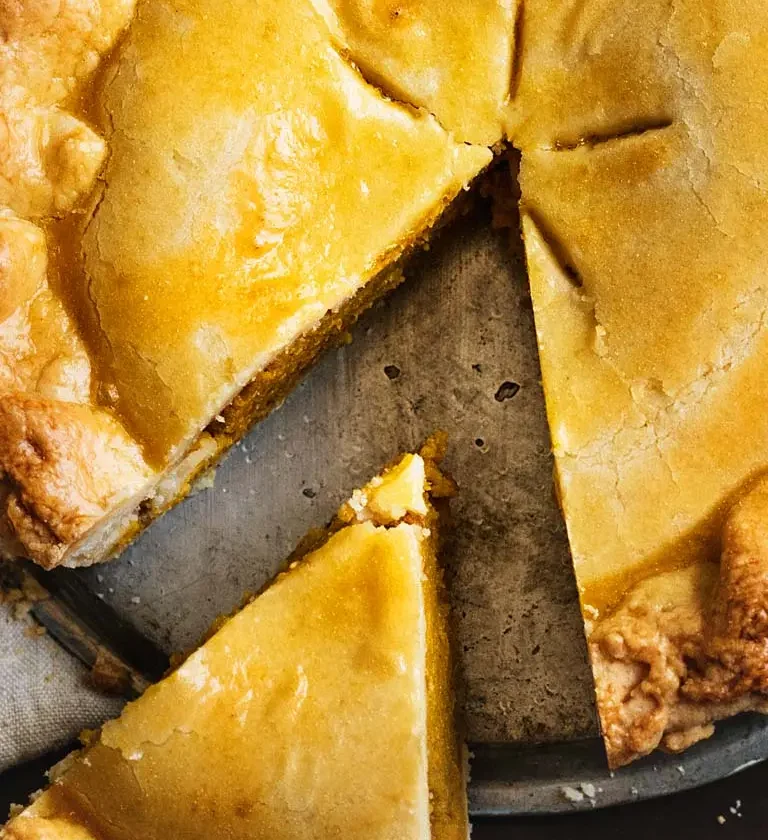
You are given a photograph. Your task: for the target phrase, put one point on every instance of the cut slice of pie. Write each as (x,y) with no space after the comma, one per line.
(186,225)
(322,709)
(645,204)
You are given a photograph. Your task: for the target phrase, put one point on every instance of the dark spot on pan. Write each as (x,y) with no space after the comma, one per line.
(506,391)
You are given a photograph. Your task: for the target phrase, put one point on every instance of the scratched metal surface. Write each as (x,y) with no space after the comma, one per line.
(454,349)
(434,355)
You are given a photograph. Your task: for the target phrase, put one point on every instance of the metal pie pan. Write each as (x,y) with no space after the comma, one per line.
(565,777)
(454,348)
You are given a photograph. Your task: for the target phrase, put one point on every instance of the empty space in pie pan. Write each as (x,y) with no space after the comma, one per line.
(453,348)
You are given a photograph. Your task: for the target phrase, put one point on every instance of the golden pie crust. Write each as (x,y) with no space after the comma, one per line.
(180,237)
(273,728)
(191,204)
(645,209)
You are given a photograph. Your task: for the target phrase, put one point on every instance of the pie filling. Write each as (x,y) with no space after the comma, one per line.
(253,737)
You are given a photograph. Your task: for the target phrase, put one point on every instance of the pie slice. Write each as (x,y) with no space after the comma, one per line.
(453,58)
(187,223)
(322,709)
(645,205)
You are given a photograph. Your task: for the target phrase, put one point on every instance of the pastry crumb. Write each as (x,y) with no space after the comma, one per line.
(572,794)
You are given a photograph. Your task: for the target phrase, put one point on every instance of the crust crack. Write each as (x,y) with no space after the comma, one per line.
(591,140)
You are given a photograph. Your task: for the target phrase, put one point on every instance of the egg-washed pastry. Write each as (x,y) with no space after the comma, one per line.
(645,203)
(185,222)
(322,709)
(453,58)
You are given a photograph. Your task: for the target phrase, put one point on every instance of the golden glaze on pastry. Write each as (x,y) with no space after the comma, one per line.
(254,184)
(311,713)
(64,462)
(646,221)
(450,57)
(244,218)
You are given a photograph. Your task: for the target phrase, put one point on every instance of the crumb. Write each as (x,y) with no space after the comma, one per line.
(358,502)
(721,819)
(681,769)
(506,391)
(572,794)
(135,599)
(109,676)
(21,609)
(34,630)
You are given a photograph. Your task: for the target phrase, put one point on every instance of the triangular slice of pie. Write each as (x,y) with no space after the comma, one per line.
(645,204)
(186,220)
(322,709)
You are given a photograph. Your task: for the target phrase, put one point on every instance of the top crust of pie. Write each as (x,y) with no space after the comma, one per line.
(453,58)
(644,182)
(173,218)
(169,224)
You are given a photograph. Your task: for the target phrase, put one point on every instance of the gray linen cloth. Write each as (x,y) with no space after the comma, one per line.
(45,699)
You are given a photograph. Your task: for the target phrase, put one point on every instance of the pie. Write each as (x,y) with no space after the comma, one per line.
(452,58)
(322,709)
(645,205)
(167,277)
(197,203)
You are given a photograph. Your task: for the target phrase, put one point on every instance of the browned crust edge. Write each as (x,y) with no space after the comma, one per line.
(688,647)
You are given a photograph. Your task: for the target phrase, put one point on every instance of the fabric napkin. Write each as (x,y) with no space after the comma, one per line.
(45,698)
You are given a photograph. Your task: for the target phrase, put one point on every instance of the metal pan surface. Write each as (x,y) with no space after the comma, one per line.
(453,349)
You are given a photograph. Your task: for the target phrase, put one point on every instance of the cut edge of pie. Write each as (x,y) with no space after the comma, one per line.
(78,483)
(336,606)
(673,649)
